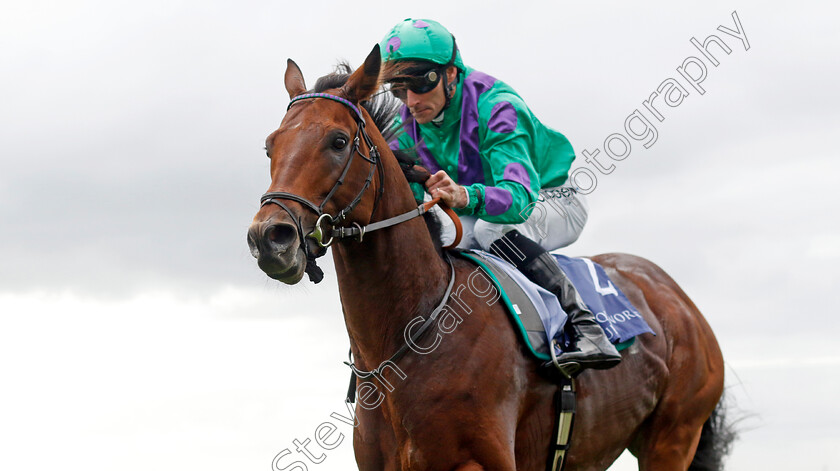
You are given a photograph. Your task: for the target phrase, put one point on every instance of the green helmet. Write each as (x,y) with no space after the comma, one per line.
(425,40)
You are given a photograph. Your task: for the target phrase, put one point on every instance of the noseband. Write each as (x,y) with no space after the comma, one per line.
(325,238)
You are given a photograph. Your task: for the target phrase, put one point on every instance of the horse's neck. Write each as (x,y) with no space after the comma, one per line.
(389,279)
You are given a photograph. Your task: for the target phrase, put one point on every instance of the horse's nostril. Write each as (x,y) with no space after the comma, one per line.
(281,234)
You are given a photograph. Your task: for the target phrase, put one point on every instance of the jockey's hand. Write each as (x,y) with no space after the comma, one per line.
(441,185)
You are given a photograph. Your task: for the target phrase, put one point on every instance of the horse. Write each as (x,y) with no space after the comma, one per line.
(477,400)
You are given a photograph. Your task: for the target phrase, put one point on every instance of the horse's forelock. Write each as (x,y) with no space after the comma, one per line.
(336,79)
(382,107)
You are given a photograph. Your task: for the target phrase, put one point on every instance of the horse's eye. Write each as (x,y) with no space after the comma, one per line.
(339,143)
(267,154)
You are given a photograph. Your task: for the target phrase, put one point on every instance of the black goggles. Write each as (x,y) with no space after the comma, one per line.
(420,83)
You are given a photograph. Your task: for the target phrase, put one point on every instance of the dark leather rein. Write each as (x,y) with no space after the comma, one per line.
(325,238)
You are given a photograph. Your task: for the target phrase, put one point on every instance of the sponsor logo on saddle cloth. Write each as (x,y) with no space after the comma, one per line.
(613,311)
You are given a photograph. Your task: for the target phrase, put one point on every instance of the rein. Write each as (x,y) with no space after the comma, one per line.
(325,238)
(409,339)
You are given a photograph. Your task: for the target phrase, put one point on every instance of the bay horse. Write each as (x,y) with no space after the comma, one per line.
(476,401)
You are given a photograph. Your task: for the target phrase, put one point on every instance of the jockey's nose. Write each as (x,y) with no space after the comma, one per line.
(271,239)
(412,99)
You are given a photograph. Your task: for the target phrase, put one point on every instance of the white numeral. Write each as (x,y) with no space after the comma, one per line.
(603,291)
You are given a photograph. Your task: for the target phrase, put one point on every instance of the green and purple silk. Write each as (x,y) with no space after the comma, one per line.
(488,141)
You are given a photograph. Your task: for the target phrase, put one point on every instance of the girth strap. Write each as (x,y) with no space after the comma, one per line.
(566,405)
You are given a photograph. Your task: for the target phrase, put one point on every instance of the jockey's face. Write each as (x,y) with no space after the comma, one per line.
(426,106)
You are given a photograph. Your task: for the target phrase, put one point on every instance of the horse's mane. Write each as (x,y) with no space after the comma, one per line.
(383,108)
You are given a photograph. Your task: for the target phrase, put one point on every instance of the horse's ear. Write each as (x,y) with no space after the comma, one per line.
(294,79)
(363,82)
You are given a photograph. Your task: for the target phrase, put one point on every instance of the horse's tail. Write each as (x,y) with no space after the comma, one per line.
(716,441)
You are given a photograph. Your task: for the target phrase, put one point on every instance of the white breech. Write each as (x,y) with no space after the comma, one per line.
(557,219)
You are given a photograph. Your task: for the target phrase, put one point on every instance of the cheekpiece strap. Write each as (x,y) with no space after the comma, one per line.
(343,101)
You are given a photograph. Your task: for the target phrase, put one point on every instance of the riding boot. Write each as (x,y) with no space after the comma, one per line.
(589,347)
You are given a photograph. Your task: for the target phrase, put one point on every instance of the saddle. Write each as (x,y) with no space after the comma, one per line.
(537,317)
(536,314)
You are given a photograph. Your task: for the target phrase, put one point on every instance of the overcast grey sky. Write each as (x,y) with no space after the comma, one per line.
(136,330)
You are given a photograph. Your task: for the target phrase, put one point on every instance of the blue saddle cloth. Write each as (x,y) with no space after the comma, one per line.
(613,311)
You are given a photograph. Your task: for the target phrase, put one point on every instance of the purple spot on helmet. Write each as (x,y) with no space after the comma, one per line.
(516,172)
(421,24)
(503,118)
(393,44)
(497,200)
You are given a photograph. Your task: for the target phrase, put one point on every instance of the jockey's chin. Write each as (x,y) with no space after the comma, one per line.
(423,115)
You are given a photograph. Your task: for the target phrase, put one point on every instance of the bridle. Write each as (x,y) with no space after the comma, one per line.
(325,238)
(356,231)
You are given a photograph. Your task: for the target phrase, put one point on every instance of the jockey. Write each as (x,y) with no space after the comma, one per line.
(496,165)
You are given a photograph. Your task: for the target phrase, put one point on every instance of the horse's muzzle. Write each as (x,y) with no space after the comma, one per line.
(277,248)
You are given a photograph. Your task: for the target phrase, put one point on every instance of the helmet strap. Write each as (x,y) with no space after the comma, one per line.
(447,87)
